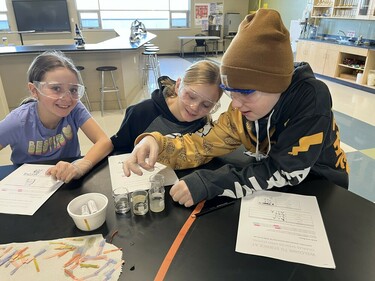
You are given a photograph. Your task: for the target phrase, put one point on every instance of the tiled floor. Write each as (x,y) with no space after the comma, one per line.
(354,111)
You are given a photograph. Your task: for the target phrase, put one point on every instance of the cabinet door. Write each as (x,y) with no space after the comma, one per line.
(372,10)
(364,9)
(303,51)
(318,57)
(313,53)
(299,51)
(330,63)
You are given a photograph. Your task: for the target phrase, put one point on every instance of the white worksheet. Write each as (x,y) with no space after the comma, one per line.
(283,226)
(135,182)
(26,189)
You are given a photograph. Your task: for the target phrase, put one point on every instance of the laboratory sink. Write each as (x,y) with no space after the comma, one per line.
(336,40)
(345,42)
(330,40)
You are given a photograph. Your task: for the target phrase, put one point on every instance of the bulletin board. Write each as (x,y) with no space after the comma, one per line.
(204,12)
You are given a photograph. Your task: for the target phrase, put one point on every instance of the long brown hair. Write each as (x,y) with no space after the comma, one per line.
(45,62)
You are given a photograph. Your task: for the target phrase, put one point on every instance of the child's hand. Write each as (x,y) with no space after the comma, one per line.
(180,193)
(144,155)
(66,171)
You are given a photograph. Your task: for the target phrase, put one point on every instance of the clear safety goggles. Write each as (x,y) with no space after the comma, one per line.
(56,90)
(193,99)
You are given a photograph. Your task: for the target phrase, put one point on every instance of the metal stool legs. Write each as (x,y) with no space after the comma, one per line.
(108,89)
(151,64)
(80,80)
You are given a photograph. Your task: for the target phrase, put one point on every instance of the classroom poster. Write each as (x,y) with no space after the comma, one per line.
(201,13)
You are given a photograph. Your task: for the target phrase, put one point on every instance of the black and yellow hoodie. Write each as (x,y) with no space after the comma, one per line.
(299,137)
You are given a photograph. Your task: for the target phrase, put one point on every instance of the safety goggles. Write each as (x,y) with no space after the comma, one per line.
(56,90)
(193,99)
(229,91)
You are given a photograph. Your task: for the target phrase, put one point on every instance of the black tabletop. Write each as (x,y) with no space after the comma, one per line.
(208,250)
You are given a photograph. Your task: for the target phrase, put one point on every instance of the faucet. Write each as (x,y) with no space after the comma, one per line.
(340,31)
(359,40)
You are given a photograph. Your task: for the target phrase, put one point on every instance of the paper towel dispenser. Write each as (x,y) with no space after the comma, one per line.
(231,23)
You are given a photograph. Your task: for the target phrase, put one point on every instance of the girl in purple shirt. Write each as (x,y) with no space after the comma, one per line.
(45,126)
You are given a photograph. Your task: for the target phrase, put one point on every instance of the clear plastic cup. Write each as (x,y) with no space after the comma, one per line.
(121,200)
(139,200)
(156,193)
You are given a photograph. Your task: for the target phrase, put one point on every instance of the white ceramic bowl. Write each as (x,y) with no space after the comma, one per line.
(91,221)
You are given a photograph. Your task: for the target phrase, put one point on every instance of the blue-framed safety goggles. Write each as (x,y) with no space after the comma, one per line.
(241,91)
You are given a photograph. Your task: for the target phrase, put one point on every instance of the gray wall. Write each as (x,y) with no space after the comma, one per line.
(288,9)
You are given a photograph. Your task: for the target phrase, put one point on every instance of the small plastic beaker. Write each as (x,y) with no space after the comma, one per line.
(121,200)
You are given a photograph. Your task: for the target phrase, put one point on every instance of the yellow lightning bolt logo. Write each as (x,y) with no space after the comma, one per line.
(306,142)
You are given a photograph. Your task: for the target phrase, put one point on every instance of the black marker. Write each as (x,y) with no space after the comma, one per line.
(209,210)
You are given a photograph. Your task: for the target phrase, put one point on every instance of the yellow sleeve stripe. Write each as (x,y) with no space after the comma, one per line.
(306,142)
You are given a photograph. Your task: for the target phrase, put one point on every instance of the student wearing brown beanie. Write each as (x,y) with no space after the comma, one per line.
(280,113)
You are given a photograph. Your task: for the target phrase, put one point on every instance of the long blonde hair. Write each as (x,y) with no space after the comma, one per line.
(201,72)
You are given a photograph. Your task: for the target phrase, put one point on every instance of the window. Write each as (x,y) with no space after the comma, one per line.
(4,24)
(160,14)
(179,19)
(89,19)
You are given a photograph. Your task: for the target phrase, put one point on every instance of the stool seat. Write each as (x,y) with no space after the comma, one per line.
(106,68)
(80,67)
(149,52)
(152,49)
(148,44)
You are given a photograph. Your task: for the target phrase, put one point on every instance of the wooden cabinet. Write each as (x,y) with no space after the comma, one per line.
(364,9)
(370,66)
(358,63)
(350,65)
(322,57)
(337,61)
(303,51)
(345,9)
(318,58)
(330,63)
(372,11)
(322,8)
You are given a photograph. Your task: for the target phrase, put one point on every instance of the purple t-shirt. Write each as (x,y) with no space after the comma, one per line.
(30,141)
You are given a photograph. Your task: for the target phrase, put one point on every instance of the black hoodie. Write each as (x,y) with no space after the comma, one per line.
(148,116)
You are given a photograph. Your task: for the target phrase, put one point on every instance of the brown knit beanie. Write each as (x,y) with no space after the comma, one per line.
(260,55)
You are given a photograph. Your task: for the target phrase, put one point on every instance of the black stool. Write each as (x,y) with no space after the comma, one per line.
(80,80)
(108,89)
